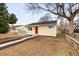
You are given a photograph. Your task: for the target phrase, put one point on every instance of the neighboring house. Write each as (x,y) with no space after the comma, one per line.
(20,29)
(48,28)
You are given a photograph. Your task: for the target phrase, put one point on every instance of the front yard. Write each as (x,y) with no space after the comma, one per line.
(9,37)
(41,46)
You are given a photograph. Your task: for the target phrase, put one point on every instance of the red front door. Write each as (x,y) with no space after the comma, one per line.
(36,29)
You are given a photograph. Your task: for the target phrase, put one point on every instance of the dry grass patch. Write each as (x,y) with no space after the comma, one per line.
(41,46)
(8,36)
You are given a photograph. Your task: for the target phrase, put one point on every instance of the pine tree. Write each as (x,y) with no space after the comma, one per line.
(4,16)
(4,26)
(12,19)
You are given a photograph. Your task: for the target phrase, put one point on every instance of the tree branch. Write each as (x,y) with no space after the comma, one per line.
(53,12)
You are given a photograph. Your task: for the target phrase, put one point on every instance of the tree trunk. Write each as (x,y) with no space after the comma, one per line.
(71,28)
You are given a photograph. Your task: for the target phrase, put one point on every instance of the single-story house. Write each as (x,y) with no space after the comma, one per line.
(48,28)
(20,29)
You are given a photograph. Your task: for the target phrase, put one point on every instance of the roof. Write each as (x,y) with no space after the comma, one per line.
(16,26)
(46,22)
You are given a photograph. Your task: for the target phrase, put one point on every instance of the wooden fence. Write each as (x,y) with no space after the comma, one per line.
(74,42)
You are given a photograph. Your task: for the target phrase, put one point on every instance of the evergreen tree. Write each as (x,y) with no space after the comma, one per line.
(4,12)
(4,26)
(4,16)
(12,19)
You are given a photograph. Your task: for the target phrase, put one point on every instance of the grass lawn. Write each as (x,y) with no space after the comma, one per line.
(41,46)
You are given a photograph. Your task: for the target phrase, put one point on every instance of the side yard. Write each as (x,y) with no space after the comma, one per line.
(41,46)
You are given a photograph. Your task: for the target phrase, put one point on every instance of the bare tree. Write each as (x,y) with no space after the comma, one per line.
(68,10)
(46,17)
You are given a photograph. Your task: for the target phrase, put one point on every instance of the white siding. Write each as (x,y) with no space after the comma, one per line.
(21,30)
(30,32)
(44,30)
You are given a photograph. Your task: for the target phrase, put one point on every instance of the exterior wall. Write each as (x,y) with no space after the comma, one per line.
(21,30)
(30,32)
(44,30)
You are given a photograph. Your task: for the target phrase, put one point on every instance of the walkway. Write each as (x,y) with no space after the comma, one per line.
(14,41)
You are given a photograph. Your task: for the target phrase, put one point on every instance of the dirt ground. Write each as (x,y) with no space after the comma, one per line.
(41,46)
(6,35)
(9,36)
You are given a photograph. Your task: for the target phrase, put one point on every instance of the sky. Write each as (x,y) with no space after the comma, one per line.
(24,17)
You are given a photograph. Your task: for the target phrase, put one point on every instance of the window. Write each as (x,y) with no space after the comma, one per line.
(51,26)
(29,28)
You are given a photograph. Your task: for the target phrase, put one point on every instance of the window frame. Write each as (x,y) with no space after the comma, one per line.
(51,26)
(29,28)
